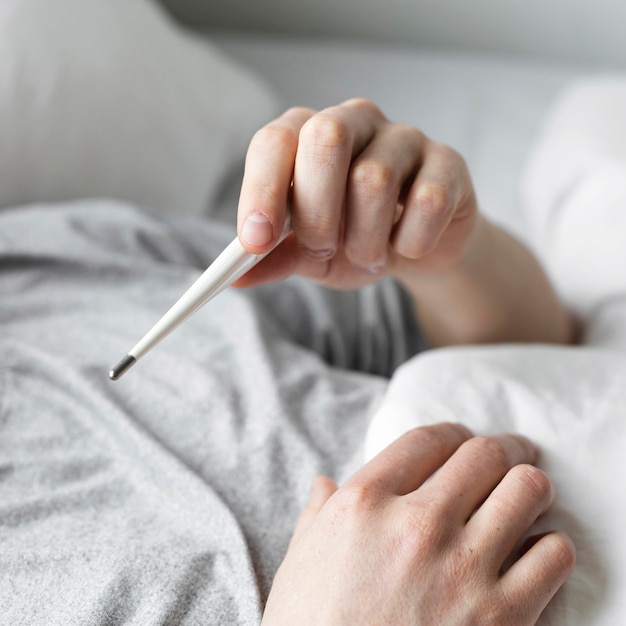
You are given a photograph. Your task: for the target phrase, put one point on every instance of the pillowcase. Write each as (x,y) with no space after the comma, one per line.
(575,194)
(568,400)
(111,98)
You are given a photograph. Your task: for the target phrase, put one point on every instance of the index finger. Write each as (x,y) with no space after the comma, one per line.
(267,180)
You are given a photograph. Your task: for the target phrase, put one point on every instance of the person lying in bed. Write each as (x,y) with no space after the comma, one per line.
(369,198)
(170,496)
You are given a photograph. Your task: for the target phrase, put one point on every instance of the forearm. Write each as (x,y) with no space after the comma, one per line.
(497,292)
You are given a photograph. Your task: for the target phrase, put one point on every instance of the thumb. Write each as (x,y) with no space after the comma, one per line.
(322,488)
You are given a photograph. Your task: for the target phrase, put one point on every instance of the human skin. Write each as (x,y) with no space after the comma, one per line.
(428,532)
(370,198)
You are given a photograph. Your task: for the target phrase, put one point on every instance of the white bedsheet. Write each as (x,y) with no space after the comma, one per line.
(568,400)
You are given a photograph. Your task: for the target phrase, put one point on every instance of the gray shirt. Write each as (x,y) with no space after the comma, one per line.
(167,497)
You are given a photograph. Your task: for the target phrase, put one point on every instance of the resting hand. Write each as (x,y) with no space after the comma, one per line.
(426,533)
(369,198)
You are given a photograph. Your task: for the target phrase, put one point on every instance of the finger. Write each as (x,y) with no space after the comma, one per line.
(405,464)
(282,262)
(322,488)
(475,469)
(267,180)
(533,580)
(520,498)
(377,177)
(327,144)
(436,196)
(287,259)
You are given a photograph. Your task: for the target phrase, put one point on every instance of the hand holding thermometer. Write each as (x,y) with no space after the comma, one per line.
(230,265)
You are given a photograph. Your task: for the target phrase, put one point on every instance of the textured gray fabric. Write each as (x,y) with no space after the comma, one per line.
(169,496)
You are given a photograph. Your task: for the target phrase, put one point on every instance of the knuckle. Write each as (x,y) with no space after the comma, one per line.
(359,497)
(434,201)
(298,111)
(365,105)
(413,135)
(446,152)
(430,438)
(326,130)
(373,178)
(317,227)
(532,480)
(490,448)
(275,136)
(423,527)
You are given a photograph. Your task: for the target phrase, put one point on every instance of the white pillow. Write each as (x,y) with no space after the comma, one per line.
(570,401)
(110,98)
(575,196)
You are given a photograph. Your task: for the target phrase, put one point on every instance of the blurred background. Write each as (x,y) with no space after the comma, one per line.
(568,31)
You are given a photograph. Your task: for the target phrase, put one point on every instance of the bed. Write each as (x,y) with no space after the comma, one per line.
(151,501)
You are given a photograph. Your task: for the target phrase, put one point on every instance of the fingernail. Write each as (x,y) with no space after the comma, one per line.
(257,230)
